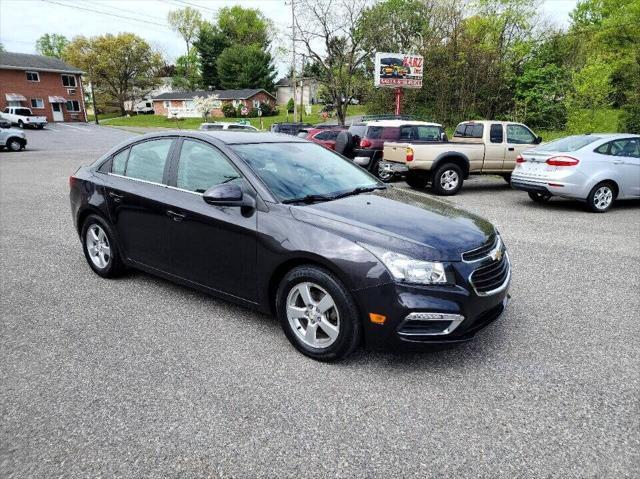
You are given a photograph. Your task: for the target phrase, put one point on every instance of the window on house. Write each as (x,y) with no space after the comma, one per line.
(73,105)
(33,76)
(167,104)
(71,91)
(69,80)
(256,103)
(37,103)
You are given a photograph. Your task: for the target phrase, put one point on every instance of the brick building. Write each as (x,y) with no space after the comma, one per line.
(180,103)
(48,86)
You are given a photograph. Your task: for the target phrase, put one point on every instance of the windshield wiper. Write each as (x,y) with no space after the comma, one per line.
(359,190)
(310,199)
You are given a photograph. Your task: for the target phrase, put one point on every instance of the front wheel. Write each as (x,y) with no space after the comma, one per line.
(447,180)
(601,197)
(382,173)
(317,314)
(14,145)
(20,124)
(539,197)
(100,248)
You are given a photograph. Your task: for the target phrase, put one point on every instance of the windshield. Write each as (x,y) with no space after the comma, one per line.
(293,171)
(570,143)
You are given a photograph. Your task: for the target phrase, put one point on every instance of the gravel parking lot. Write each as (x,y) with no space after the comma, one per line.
(138,377)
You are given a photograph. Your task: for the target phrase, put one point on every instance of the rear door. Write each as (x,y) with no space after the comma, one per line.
(136,198)
(214,246)
(624,156)
(519,138)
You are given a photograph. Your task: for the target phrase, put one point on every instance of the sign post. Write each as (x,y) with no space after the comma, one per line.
(398,71)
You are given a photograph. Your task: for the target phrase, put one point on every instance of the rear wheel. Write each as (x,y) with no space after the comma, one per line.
(317,314)
(20,124)
(539,197)
(507,177)
(447,180)
(381,172)
(100,248)
(14,145)
(416,179)
(601,197)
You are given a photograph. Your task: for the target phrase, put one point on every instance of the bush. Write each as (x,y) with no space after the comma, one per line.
(267,109)
(630,118)
(290,105)
(229,110)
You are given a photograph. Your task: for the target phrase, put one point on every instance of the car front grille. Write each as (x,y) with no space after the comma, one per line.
(481,252)
(491,278)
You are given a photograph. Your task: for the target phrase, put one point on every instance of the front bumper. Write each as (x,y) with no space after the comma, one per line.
(398,301)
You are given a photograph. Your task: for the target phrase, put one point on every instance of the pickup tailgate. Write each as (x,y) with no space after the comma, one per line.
(395,152)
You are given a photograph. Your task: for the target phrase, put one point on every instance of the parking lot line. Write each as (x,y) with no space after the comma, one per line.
(74,127)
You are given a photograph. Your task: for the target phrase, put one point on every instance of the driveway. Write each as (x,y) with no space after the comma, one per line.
(138,377)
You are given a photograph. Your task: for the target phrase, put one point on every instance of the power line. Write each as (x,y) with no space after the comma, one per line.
(120,10)
(76,7)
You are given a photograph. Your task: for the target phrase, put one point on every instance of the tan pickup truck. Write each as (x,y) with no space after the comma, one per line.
(477,147)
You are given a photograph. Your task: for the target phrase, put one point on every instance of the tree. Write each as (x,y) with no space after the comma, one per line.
(52,45)
(186,22)
(210,43)
(330,32)
(121,67)
(187,74)
(204,104)
(1,47)
(241,66)
(244,26)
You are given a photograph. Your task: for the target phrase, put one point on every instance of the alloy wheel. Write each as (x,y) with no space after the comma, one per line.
(383,173)
(603,197)
(313,315)
(14,145)
(98,246)
(449,180)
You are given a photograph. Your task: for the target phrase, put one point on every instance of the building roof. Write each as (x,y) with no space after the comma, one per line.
(243,94)
(23,61)
(286,81)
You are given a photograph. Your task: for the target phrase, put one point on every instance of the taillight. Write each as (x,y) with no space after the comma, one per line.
(562,161)
(72,181)
(409,156)
(520,159)
(365,143)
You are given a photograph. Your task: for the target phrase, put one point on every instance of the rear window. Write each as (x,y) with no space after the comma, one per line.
(358,130)
(469,130)
(570,143)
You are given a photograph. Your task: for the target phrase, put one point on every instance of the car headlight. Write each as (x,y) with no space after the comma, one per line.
(409,270)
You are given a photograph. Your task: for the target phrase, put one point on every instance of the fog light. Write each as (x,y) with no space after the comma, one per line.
(455,320)
(377,318)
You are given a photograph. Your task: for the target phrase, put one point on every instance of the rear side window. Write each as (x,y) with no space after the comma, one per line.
(469,130)
(119,162)
(520,135)
(374,132)
(428,133)
(147,160)
(358,130)
(201,166)
(495,133)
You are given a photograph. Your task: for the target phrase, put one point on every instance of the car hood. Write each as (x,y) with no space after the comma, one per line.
(13,131)
(402,221)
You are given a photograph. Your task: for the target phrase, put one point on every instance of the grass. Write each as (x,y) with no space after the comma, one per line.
(160,121)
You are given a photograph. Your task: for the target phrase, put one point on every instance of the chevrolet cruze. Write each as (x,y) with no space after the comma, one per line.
(285,226)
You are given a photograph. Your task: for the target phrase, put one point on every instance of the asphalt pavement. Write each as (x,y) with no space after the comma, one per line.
(138,377)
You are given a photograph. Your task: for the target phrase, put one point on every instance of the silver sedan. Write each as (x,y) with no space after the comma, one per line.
(596,168)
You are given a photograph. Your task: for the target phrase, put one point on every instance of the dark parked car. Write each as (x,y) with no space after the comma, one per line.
(323,136)
(364,142)
(286,226)
(289,128)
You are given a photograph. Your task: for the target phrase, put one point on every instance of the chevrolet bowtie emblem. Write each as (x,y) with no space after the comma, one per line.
(496,255)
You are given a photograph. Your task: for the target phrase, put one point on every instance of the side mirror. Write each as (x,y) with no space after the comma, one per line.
(228,194)
(538,140)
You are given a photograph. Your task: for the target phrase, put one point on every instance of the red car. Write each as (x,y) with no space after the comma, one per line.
(324,136)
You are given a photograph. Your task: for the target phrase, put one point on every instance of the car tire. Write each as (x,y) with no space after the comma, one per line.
(20,124)
(507,178)
(601,197)
(100,248)
(382,174)
(14,145)
(40,127)
(301,299)
(447,180)
(539,197)
(416,179)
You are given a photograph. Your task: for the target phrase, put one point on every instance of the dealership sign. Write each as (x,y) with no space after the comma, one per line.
(397,70)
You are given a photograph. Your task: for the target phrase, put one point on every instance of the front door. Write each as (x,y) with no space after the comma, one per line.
(136,196)
(214,246)
(57,112)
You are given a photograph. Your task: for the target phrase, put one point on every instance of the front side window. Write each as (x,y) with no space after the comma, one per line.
(73,105)
(37,103)
(495,133)
(294,170)
(33,76)
(201,166)
(148,159)
(519,134)
(69,80)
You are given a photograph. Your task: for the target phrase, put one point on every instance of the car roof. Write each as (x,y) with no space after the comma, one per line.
(398,123)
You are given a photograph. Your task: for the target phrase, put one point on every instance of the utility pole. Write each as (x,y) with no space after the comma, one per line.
(304,57)
(293,58)
(93,100)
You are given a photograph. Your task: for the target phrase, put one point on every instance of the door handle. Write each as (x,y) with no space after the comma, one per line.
(176,216)
(512,149)
(116,197)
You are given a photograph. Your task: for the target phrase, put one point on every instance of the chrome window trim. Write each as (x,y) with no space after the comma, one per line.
(154,183)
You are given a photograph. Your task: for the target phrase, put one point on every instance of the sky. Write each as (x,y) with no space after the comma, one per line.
(23,21)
